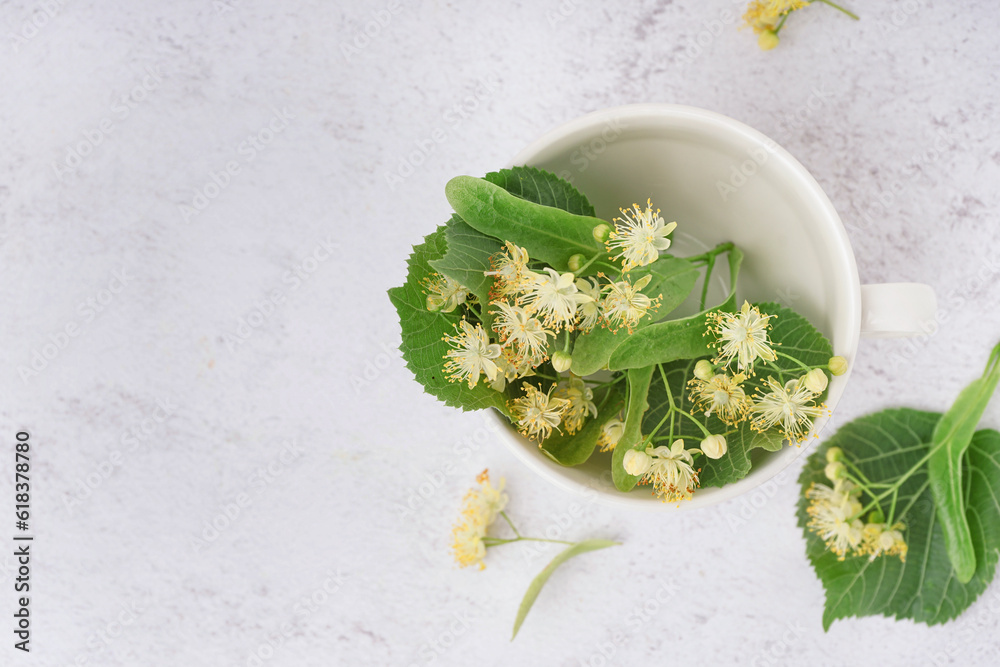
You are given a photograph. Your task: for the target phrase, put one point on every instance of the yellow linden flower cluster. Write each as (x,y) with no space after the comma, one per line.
(743,338)
(767,18)
(835,515)
(480,509)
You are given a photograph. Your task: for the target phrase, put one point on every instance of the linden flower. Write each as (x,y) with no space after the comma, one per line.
(467,543)
(522,331)
(445,294)
(555,297)
(671,472)
(640,235)
(833,515)
(589,312)
(625,304)
(473,355)
(764,15)
(481,507)
(788,407)
(510,270)
(721,395)
(579,402)
(611,433)
(882,539)
(510,367)
(537,412)
(742,336)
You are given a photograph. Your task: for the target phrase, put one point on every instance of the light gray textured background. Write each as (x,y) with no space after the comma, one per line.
(335,548)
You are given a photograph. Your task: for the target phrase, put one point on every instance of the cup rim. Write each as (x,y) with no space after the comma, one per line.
(778,461)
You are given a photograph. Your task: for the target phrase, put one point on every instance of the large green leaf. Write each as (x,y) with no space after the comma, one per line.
(673,278)
(422,331)
(572,450)
(549,234)
(638,386)
(924,588)
(542,187)
(535,587)
(674,339)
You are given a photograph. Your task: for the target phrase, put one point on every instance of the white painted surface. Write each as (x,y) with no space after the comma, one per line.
(895,116)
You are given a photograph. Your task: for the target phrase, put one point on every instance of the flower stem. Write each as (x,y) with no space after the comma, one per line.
(699,424)
(836,6)
(717,250)
(587,265)
(791,358)
(510,523)
(496,541)
(708,276)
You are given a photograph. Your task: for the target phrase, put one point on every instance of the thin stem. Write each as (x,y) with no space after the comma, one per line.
(791,358)
(547,377)
(836,6)
(566,341)
(510,523)
(692,418)
(475,309)
(708,276)
(781,24)
(496,541)
(587,265)
(717,250)
(892,507)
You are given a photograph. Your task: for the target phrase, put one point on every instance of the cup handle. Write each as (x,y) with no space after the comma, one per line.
(896,310)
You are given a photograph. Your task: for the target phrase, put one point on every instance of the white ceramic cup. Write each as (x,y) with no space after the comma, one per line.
(721,180)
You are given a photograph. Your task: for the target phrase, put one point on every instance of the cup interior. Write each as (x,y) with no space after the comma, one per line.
(720,180)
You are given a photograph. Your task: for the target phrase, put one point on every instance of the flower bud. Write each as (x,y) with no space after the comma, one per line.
(703,370)
(835,471)
(602,232)
(575,262)
(561,361)
(837,365)
(767,40)
(816,380)
(714,446)
(834,454)
(637,463)
(611,433)
(876,516)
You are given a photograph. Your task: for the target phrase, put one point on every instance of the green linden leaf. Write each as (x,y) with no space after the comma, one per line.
(925,588)
(422,330)
(542,187)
